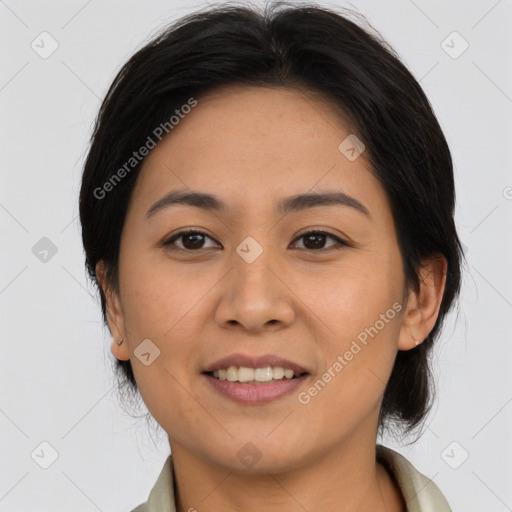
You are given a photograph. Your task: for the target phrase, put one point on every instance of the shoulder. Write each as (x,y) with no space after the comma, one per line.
(143,507)
(161,497)
(420,492)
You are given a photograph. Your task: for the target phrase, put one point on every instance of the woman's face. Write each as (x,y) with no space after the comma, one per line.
(251,284)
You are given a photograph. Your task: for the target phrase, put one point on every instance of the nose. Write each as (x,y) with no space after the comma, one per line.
(255,295)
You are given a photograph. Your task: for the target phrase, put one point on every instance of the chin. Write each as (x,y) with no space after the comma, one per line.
(258,456)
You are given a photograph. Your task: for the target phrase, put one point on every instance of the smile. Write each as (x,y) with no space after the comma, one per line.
(254,375)
(250,390)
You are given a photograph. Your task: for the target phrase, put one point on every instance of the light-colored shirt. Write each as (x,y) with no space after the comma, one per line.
(420,493)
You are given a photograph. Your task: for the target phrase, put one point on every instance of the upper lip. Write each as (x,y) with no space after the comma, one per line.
(255,361)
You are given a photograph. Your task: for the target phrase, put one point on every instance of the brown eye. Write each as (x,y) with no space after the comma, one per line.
(191,240)
(195,240)
(315,240)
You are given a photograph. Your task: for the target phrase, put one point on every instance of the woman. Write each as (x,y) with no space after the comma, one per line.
(267,210)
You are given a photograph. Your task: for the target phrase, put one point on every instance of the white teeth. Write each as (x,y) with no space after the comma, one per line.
(231,373)
(288,373)
(244,374)
(278,372)
(262,374)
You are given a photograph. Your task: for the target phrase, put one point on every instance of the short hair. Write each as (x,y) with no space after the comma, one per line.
(308,48)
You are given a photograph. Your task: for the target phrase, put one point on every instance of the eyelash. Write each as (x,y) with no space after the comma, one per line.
(341,243)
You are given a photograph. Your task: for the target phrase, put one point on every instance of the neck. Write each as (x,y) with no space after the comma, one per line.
(347,479)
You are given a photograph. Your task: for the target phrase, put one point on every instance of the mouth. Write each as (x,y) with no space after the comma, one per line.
(253,386)
(255,376)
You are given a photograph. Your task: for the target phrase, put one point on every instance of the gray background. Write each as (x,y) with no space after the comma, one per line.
(55,367)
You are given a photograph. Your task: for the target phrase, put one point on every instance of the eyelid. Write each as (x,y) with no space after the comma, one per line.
(169,241)
(340,241)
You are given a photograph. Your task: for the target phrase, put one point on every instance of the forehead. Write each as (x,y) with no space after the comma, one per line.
(251,144)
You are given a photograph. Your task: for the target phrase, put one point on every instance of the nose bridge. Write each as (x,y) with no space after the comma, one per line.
(256,296)
(252,260)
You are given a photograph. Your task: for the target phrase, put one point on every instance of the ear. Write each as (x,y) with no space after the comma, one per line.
(115,315)
(422,307)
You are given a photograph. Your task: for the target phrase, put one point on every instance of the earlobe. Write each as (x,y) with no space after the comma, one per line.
(423,307)
(120,350)
(114,315)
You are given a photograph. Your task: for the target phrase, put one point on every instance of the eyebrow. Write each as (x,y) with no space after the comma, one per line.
(299,202)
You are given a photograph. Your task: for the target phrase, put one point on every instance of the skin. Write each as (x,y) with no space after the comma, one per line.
(252,146)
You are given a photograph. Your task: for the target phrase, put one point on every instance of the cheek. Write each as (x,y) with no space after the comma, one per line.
(159,307)
(358,362)
(345,299)
(160,296)
(163,307)
(357,312)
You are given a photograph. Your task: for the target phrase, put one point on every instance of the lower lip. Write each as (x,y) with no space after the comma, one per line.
(255,393)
